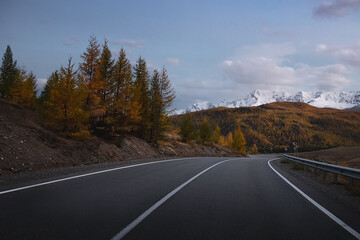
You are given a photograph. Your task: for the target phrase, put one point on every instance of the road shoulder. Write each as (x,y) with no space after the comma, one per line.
(331,196)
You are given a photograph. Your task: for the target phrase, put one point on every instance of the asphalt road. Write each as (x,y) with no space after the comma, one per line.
(237,199)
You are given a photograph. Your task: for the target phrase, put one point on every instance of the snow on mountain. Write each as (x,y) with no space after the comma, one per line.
(329,99)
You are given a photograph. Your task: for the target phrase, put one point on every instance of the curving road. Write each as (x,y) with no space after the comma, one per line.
(200,198)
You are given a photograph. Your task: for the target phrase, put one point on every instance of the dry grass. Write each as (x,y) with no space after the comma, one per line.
(343,156)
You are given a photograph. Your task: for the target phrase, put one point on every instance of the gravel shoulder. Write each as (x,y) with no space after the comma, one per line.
(334,197)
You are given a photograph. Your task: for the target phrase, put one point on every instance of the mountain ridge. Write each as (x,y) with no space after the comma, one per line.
(320,99)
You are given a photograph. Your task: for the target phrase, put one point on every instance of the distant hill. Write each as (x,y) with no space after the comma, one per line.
(274,126)
(327,99)
(356,108)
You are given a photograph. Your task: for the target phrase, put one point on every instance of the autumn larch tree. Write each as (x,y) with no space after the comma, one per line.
(28,91)
(254,149)
(229,140)
(155,107)
(205,132)
(167,92)
(8,73)
(66,98)
(142,97)
(216,134)
(50,100)
(239,143)
(104,82)
(187,131)
(88,69)
(90,60)
(162,95)
(16,88)
(125,109)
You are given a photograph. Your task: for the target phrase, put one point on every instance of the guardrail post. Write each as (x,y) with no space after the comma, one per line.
(335,177)
(351,173)
(351,181)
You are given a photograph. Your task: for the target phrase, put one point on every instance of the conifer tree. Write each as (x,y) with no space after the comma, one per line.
(162,95)
(16,89)
(24,90)
(205,132)
(28,91)
(229,139)
(156,107)
(187,131)
(142,97)
(216,134)
(167,92)
(50,99)
(222,141)
(8,73)
(68,98)
(52,81)
(90,75)
(90,60)
(125,109)
(254,149)
(239,143)
(104,82)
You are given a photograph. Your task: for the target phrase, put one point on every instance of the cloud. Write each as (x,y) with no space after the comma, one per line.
(173,61)
(129,43)
(338,8)
(349,55)
(329,77)
(266,72)
(259,71)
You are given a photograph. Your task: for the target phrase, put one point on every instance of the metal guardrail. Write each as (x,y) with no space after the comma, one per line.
(345,171)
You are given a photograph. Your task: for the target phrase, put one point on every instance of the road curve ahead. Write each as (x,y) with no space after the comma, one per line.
(200,198)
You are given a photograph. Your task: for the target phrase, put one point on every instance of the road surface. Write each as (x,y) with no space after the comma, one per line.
(200,198)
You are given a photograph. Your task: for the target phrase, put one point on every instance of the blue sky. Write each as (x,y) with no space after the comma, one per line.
(212,49)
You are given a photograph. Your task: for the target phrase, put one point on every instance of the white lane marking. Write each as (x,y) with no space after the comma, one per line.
(89,174)
(133,224)
(324,210)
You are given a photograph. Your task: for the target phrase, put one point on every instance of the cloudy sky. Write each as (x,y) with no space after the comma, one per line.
(213,49)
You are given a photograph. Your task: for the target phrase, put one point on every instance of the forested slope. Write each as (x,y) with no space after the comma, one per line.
(273,127)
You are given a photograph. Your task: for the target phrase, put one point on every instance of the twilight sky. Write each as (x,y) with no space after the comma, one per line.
(213,49)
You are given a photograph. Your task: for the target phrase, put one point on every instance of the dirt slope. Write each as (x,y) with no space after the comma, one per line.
(25,145)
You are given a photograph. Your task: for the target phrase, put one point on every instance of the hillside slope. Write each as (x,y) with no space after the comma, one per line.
(274,126)
(345,156)
(25,145)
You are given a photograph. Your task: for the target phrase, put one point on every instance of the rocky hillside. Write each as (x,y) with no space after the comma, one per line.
(25,145)
(275,126)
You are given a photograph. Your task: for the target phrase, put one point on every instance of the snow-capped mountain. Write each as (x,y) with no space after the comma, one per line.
(329,99)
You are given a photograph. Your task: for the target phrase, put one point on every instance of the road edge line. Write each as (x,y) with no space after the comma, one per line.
(316,204)
(139,219)
(91,173)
